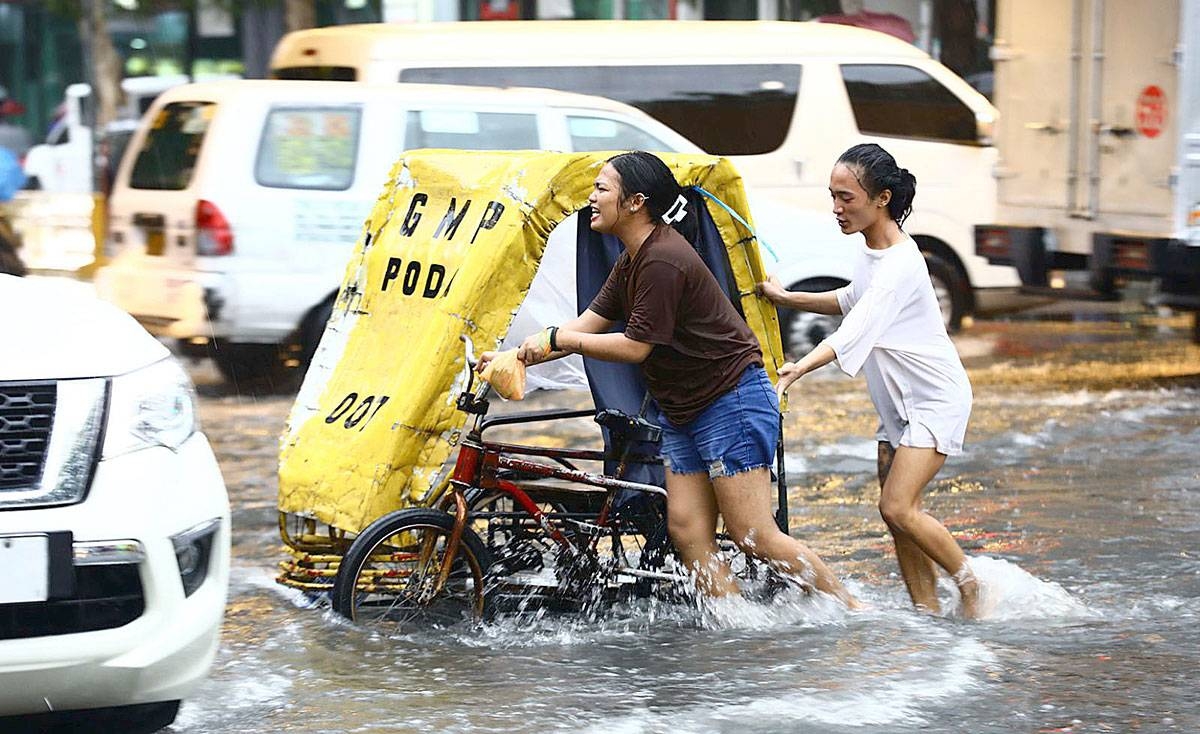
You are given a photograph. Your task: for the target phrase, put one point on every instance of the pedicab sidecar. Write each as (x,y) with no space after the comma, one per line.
(466,243)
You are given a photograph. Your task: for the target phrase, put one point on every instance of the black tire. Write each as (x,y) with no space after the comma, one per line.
(801,330)
(384,581)
(952,291)
(251,367)
(312,330)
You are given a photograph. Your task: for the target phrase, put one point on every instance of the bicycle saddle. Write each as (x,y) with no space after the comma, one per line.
(629,427)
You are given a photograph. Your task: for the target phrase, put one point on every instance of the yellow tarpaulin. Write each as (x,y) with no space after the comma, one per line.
(450,248)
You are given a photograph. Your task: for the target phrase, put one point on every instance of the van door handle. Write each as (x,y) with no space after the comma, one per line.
(799,164)
(1044,127)
(1117,131)
(150,221)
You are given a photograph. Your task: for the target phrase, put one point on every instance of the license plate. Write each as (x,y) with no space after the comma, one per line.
(155,242)
(25,568)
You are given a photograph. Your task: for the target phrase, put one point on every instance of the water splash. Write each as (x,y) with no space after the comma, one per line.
(1011,593)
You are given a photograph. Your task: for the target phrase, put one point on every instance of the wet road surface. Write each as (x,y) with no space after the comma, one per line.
(1078,496)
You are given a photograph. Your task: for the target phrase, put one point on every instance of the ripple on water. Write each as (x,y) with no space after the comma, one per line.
(908,689)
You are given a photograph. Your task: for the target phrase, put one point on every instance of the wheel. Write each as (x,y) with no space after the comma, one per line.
(801,330)
(387,579)
(312,330)
(250,366)
(951,289)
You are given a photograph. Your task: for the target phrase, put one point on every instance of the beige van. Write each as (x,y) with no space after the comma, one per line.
(781,99)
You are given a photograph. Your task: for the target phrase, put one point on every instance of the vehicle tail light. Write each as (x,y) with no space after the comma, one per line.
(993,242)
(1131,254)
(213,235)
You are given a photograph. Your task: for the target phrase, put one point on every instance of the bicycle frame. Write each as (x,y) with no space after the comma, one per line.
(482,465)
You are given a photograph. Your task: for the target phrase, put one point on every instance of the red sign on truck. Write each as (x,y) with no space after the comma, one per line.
(1151,111)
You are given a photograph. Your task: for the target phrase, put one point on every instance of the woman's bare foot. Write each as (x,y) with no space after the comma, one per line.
(969,591)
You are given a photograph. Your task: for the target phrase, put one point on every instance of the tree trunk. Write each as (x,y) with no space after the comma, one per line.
(299,14)
(955,23)
(106,64)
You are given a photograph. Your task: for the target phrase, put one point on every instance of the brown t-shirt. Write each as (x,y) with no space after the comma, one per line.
(669,298)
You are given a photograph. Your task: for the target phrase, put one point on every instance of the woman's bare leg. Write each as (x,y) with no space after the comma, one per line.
(900,505)
(692,525)
(745,503)
(917,569)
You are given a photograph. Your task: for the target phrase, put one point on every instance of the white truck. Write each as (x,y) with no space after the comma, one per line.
(1099,139)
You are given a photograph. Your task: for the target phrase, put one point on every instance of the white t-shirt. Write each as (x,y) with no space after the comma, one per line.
(893,331)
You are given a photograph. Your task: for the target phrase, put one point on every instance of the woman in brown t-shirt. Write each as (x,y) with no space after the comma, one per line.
(702,365)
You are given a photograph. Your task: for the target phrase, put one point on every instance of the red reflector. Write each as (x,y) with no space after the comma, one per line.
(993,242)
(213,235)
(1131,255)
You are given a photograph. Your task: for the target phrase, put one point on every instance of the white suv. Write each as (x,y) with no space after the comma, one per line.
(114,520)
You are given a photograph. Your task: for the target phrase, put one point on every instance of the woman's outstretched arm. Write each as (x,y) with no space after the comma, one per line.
(821,355)
(824,302)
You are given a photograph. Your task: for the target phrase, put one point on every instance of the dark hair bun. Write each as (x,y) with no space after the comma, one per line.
(878,171)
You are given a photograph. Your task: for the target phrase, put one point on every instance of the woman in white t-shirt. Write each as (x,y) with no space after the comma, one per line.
(893,331)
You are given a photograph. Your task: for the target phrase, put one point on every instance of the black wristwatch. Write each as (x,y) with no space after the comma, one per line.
(553,338)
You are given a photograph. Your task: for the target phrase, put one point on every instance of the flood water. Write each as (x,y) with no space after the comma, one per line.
(1078,498)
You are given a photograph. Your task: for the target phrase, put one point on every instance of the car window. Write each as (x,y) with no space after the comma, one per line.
(903,101)
(471,130)
(317,73)
(733,109)
(601,133)
(309,148)
(167,157)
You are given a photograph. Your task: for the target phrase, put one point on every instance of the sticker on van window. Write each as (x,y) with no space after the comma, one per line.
(308,148)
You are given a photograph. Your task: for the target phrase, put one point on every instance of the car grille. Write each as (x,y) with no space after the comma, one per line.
(26,417)
(50,440)
(105,597)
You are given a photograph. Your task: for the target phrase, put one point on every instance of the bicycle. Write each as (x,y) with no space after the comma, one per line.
(490,538)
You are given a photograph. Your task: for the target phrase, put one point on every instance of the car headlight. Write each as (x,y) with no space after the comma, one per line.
(152,406)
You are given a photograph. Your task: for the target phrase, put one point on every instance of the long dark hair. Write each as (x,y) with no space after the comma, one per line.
(645,173)
(876,170)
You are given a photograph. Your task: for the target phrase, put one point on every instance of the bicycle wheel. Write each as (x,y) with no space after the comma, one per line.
(388,580)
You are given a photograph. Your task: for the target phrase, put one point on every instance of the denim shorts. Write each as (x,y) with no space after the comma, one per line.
(738,432)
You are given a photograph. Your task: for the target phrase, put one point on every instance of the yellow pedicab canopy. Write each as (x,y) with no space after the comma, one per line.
(450,248)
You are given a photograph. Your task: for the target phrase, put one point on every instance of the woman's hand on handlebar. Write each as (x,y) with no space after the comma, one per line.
(484,358)
(535,348)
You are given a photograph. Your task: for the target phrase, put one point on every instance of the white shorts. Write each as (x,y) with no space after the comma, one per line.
(915,435)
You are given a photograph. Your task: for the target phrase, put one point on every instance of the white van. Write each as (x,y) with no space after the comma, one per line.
(237,204)
(781,99)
